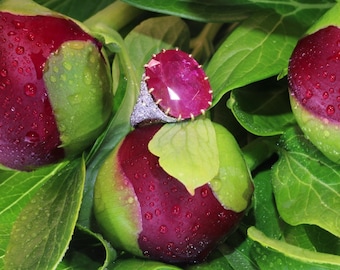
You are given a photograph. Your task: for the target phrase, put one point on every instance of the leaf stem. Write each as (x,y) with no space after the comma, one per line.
(116,15)
(202,46)
(259,150)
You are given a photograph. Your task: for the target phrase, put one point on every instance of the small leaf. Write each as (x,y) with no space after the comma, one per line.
(259,48)
(266,216)
(16,189)
(277,254)
(306,184)
(87,250)
(200,10)
(232,185)
(187,151)
(139,264)
(43,230)
(78,9)
(153,35)
(262,108)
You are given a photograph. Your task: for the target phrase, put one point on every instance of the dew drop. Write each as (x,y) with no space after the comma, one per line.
(158,212)
(11,33)
(20,50)
(176,210)
(18,24)
(151,187)
(325,95)
(30,89)
(332,78)
(3,72)
(30,36)
(163,229)
(188,215)
(67,65)
(148,216)
(204,192)
(73,99)
(32,137)
(195,228)
(309,93)
(330,110)
(170,245)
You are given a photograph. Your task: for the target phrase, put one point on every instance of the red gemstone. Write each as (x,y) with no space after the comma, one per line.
(178,84)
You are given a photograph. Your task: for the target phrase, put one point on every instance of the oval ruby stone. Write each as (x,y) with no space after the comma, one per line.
(178,84)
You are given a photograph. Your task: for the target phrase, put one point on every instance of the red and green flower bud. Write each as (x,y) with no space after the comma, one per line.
(55,86)
(314,76)
(142,209)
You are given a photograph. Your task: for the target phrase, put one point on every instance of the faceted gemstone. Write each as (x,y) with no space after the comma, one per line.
(178,84)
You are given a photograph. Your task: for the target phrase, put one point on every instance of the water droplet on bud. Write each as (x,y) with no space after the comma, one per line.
(32,137)
(30,89)
(330,110)
(163,229)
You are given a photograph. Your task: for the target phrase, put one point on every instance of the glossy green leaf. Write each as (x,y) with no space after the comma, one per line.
(232,185)
(277,254)
(42,231)
(262,108)
(139,264)
(16,189)
(306,184)
(229,256)
(87,250)
(199,10)
(267,218)
(259,48)
(71,7)
(192,144)
(153,35)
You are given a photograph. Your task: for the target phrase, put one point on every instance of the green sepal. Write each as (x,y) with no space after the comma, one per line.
(24,7)
(187,151)
(116,207)
(78,84)
(323,133)
(232,185)
(200,152)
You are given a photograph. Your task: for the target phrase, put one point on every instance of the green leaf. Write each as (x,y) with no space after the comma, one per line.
(306,184)
(312,237)
(16,189)
(72,7)
(192,144)
(87,250)
(153,35)
(232,185)
(139,264)
(43,229)
(199,10)
(266,216)
(277,254)
(259,48)
(262,108)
